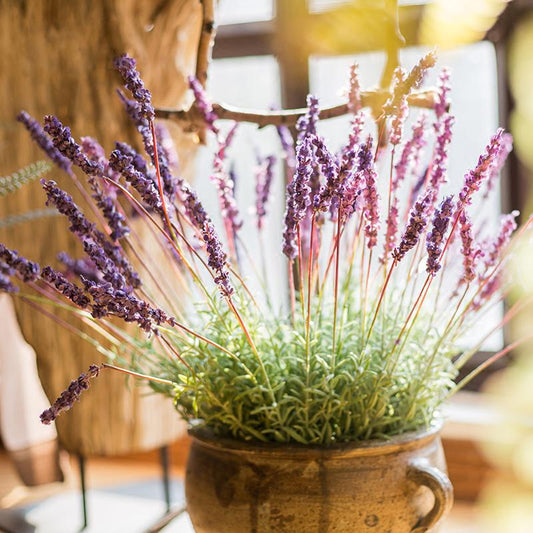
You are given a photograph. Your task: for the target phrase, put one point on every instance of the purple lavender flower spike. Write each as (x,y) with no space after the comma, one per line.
(506,147)
(495,249)
(327,195)
(104,201)
(443,89)
(370,193)
(411,151)
(6,285)
(306,124)
(70,395)
(418,72)
(440,160)
(415,226)
(126,66)
(289,154)
(435,239)
(26,269)
(203,104)
(492,286)
(396,107)
(105,265)
(298,199)
(477,176)
(145,187)
(228,206)
(166,145)
(75,268)
(116,302)
(263,176)
(217,259)
(68,289)
(41,138)
(64,142)
(471,252)
(354,93)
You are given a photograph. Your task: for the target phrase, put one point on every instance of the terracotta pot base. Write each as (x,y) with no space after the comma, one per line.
(398,486)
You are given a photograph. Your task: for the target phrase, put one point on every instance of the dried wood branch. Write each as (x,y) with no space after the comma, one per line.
(192,120)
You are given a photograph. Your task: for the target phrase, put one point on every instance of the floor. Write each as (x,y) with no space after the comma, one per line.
(125,495)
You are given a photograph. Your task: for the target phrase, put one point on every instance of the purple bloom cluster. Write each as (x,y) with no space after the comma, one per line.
(475,178)
(287,145)
(505,150)
(435,239)
(123,164)
(217,259)
(126,66)
(105,265)
(397,107)
(411,151)
(104,201)
(443,89)
(68,289)
(69,396)
(79,267)
(494,249)
(86,230)
(111,301)
(328,194)
(440,160)
(306,124)
(228,206)
(354,93)
(64,142)
(298,198)
(471,252)
(415,226)
(26,269)
(41,138)
(203,104)
(6,285)
(263,181)
(370,193)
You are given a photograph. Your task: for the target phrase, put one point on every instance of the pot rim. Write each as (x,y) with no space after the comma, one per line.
(405,442)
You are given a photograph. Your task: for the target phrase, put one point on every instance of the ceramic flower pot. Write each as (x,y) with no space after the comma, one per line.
(395,486)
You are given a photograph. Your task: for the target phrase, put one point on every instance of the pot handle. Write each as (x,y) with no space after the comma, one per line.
(421,473)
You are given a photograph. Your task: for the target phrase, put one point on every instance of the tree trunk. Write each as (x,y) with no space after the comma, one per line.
(57,57)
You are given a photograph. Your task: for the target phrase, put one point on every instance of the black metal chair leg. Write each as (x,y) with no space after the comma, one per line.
(81,463)
(164,457)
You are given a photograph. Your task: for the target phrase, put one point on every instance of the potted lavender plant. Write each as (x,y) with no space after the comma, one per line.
(323,416)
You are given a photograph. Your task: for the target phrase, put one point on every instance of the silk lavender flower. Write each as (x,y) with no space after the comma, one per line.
(505,150)
(370,193)
(415,226)
(6,285)
(38,134)
(298,198)
(68,397)
(475,177)
(203,104)
(443,90)
(471,252)
(435,239)
(440,161)
(264,175)
(307,123)
(123,164)
(68,289)
(127,67)
(328,195)
(495,248)
(289,154)
(26,269)
(397,107)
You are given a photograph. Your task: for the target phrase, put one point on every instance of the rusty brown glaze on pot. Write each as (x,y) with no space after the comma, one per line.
(395,486)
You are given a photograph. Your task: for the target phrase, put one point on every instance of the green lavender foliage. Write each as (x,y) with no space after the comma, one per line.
(16,180)
(350,399)
(28,216)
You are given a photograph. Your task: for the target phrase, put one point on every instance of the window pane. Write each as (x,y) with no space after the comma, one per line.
(474,104)
(237,11)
